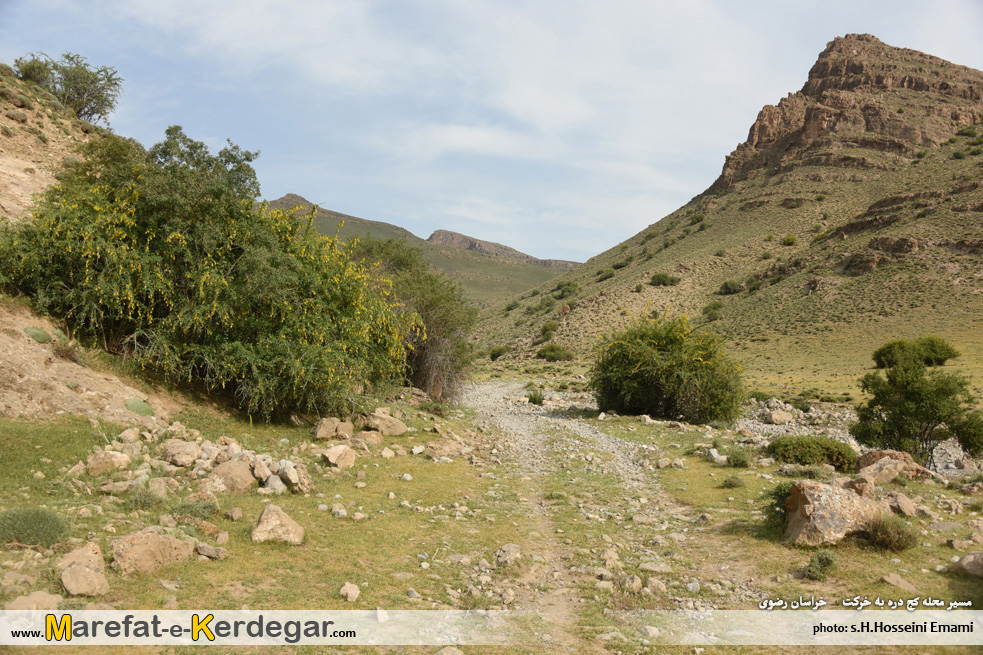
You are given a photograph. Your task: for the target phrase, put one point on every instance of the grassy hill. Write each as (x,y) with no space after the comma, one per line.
(852,215)
(487,278)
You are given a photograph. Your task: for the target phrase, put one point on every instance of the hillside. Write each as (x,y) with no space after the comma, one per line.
(850,216)
(488,272)
(455,240)
(36,135)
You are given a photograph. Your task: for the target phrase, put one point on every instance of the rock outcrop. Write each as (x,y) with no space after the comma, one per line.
(819,514)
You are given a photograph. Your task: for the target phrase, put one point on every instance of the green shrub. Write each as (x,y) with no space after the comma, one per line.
(959,154)
(766,255)
(623,263)
(639,287)
(892,533)
(497,352)
(976,152)
(789,240)
(664,280)
(202,509)
(431,407)
(720,253)
(605,274)
(808,450)
(90,92)
(913,410)
(512,305)
(32,526)
(930,350)
(821,564)
(565,290)
(967,131)
(730,287)
(774,502)
(438,357)
(548,328)
(770,237)
(739,458)
(535,396)
(664,368)
(554,352)
(141,499)
(161,256)
(732,482)
(6,70)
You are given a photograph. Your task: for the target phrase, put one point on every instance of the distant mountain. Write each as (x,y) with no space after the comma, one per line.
(488,273)
(455,240)
(852,215)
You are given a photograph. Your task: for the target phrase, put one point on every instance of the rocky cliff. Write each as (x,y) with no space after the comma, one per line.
(865,105)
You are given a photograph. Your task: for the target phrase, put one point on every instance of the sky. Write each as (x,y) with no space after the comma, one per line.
(557,127)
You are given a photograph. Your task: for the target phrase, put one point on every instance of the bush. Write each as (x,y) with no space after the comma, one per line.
(201,509)
(32,526)
(720,253)
(789,240)
(664,280)
(913,410)
(930,350)
(535,397)
(605,274)
(730,287)
(88,91)
(548,329)
(820,565)
(739,458)
(512,305)
(732,482)
(664,368)
(438,357)
(162,257)
(639,287)
(497,352)
(809,451)
(554,352)
(766,255)
(565,290)
(892,533)
(774,502)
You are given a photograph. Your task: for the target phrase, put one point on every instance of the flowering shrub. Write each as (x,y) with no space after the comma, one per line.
(162,256)
(663,367)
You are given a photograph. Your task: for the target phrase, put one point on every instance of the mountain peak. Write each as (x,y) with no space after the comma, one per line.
(456,240)
(865,104)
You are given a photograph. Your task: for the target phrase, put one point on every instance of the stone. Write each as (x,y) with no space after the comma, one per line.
(819,514)
(631,584)
(274,486)
(387,453)
(340,456)
(350,592)
(105,461)
(162,487)
(387,425)
(234,514)
(233,476)
(83,571)
(650,631)
(882,471)
(129,436)
(778,417)
(37,600)
(418,450)
(970,564)
(275,525)
(332,428)
(144,551)
(261,471)
(901,504)
(910,471)
(370,437)
(896,580)
(180,453)
(663,463)
(296,477)
(863,487)
(449,650)
(508,554)
(211,552)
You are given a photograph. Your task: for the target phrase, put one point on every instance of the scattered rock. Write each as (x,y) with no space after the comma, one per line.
(508,554)
(211,552)
(102,462)
(275,525)
(333,428)
(144,551)
(340,456)
(232,476)
(180,453)
(819,514)
(37,600)
(83,571)
(350,592)
(387,425)
(778,417)
(970,564)
(897,581)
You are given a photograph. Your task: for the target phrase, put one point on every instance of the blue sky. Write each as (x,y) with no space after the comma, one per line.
(558,127)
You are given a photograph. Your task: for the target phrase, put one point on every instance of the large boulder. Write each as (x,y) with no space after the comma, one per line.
(144,551)
(882,471)
(910,471)
(295,477)
(36,600)
(340,456)
(235,475)
(333,428)
(180,453)
(970,564)
(778,417)
(387,425)
(275,525)
(102,462)
(819,514)
(83,571)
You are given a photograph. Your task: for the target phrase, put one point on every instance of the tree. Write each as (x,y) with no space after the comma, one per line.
(162,256)
(931,350)
(913,410)
(438,357)
(665,368)
(88,91)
